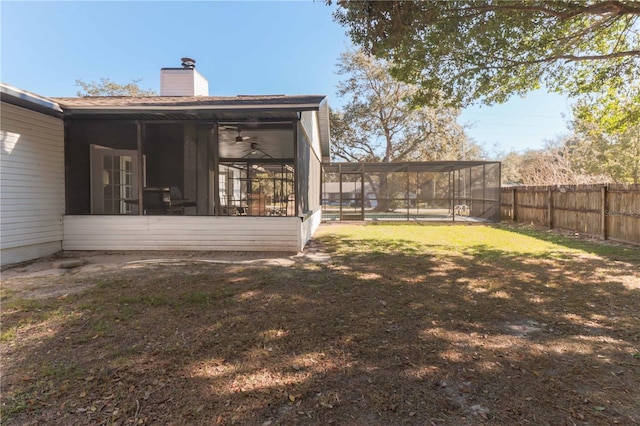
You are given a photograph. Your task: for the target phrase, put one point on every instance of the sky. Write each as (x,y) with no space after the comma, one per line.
(240,47)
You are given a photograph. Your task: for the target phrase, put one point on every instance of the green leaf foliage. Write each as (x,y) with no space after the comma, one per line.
(378,123)
(106,87)
(462,52)
(615,155)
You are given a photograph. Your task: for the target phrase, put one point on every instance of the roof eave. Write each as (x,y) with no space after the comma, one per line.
(29,100)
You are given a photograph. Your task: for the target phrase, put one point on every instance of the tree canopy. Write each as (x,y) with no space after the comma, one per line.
(377,123)
(106,87)
(586,156)
(461,52)
(595,152)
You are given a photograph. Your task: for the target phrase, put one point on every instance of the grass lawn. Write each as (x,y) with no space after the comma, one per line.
(405,324)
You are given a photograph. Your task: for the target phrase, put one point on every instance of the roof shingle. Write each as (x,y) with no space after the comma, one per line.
(186,101)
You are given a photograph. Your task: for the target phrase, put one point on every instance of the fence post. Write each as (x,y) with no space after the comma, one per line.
(513,205)
(550,203)
(603,211)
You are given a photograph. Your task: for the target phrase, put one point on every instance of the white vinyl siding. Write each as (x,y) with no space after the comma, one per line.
(32,178)
(183,233)
(309,227)
(182,82)
(200,85)
(309,120)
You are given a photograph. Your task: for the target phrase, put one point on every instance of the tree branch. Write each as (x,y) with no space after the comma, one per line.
(602,8)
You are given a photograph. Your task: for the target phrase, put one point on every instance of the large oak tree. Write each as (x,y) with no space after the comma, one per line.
(460,52)
(377,123)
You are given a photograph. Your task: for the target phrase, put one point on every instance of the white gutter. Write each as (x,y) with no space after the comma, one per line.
(29,97)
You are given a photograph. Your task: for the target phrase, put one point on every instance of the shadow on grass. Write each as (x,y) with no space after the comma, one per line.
(391,331)
(570,240)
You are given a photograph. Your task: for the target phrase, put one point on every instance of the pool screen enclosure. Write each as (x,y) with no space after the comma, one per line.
(436,190)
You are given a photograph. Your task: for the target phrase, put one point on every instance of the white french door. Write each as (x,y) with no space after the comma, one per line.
(114,181)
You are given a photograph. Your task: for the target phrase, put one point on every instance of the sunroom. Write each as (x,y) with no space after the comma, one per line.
(193,172)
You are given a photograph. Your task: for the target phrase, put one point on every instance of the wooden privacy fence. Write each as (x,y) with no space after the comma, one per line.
(609,211)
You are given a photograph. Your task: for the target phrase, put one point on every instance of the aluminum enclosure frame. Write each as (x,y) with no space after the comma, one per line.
(435,190)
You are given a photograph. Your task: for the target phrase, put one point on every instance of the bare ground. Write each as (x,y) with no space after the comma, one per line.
(389,335)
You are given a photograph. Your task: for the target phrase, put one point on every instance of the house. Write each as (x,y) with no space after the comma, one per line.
(179,171)
(32,187)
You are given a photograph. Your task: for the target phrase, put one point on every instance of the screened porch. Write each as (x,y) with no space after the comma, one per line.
(439,190)
(186,169)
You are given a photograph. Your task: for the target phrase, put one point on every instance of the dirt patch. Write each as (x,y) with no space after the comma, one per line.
(51,277)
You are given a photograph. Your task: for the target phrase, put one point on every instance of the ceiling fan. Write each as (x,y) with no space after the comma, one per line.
(241,138)
(227,127)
